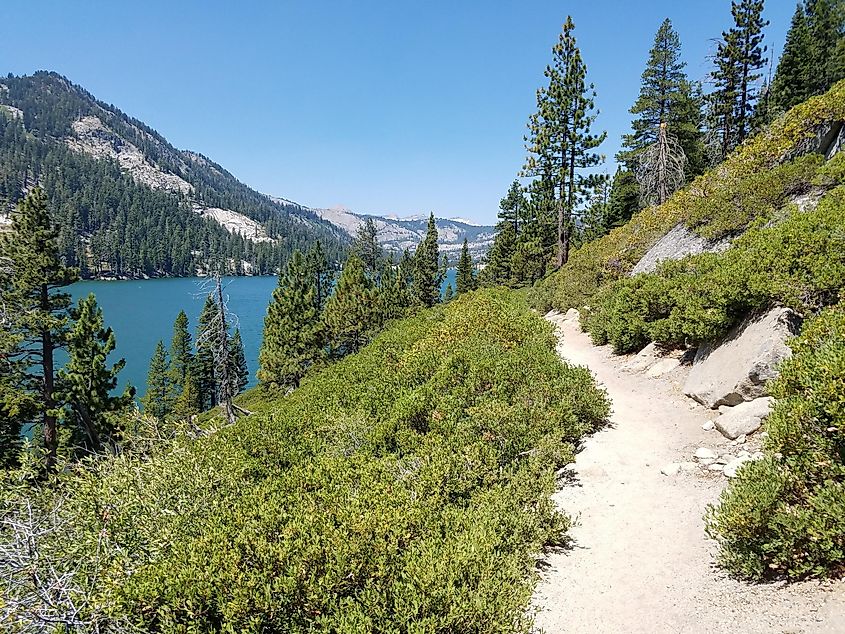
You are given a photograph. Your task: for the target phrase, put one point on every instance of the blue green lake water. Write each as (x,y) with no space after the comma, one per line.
(142,311)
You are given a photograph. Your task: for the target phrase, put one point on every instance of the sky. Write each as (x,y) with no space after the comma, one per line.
(382,107)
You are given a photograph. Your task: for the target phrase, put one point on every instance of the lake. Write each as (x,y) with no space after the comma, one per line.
(142,311)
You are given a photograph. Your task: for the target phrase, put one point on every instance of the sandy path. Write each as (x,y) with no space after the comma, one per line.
(640,561)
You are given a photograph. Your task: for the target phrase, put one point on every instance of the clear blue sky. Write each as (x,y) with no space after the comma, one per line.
(385,107)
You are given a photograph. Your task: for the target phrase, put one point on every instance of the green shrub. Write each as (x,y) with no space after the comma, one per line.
(404,488)
(752,183)
(785,515)
(798,262)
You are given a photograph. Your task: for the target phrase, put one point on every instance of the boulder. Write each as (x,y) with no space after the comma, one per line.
(663,366)
(743,419)
(704,453)
(736,368)
(678,243)
(572,315)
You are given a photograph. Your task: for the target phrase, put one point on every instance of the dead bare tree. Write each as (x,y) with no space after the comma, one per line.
(660,172)
(217,334)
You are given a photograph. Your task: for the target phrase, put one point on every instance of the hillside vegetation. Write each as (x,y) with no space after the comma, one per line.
(405,488)
(783,515)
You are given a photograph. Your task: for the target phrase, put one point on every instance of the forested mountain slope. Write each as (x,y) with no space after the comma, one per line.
(129,203)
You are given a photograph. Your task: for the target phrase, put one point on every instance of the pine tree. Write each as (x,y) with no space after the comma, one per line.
(449,293)
(624,199)
(239,372)
(321,273)
(792,84)
(204,373)
(427,272)
(560,141)
(500,257)
(293,334)
(826,21)
(352,312)
(16,406)
(37,312)
(666,98)
(512,206)
(394,292)
(181,352)
(367,248)
(465,279)
(87,382)
(739,56)
(160,397)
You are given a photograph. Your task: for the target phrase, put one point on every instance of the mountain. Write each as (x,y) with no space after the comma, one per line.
(398,234)
(127,202)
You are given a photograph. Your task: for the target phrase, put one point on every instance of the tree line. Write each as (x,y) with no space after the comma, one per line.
(313,319)
(678,131)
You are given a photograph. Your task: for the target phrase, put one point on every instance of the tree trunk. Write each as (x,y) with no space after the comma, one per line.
(225,391)
(51,440)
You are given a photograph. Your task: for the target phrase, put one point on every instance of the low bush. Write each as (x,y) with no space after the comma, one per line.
(798,262)
(403,489)
(784,515)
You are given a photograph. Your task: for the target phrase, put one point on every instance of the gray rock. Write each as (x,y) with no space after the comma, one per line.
(736,368)
(690,467)
(708,426)
(678,243)
(703,453)
(746,418)
(663,366)
(671,469)
(572,315)
(733,466)
(716,466)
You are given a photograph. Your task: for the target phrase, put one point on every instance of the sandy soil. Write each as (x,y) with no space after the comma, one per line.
(640,560)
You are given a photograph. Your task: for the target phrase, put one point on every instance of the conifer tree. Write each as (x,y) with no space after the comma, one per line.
(465,279)
(16,406)
(624,199)
(791,84)
(739,56)
(37,311)
(352,312)
(512,207)
(181,352)
(293,334)
(560,135)
(500,257)
(394,292)
(427,272)
(204,373)
(159,399)
(367,248)
(667,98)
(321,273)
(239,372)
(449,293)
(87,382)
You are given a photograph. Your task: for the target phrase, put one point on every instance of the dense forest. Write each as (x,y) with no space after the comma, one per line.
(110,225)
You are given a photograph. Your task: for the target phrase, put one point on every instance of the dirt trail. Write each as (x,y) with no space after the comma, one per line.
(640,561)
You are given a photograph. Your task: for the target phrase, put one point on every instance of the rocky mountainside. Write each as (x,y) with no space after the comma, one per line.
(398,234)
(128,202)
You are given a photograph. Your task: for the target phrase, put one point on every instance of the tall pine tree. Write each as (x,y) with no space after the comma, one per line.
(427,272)
(293,333)
(204,371)
(159,399)
(560,141)
(37,310)
(739,57)
(352,313)
(465,279)
(87,382)
(239,372)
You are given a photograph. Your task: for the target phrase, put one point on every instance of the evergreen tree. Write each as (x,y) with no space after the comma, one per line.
(500,257)
(204,373)
(624,199)
(321,273)
(181,352)
(560,143)
(160,397)
(239,372)
(367,248)
(293,335)
(826,21)
(739,56)
(512,206)
(792,84)
(87,382)
(449,293)
(394,292)
(16,406)
(427,272)
(466,273)
(666,98)
(37,312)
(352,312)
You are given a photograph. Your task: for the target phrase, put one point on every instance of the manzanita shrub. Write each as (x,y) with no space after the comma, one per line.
(784,516)
(404,489)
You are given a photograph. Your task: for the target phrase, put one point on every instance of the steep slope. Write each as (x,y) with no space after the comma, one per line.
(128,202)
(397,234)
